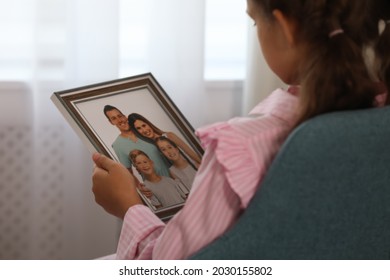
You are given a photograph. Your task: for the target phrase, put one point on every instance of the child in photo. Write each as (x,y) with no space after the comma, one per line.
(181,168)
(168,191)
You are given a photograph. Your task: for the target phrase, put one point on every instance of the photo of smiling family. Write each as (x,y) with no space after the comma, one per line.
(134,122)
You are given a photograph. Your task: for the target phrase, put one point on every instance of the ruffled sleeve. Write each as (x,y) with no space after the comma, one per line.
(234,153)
(140,231)
(246,146)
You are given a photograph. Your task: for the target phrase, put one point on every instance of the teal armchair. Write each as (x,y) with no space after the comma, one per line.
(326,195)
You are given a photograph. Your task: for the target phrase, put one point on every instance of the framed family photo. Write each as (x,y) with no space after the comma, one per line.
(133,121)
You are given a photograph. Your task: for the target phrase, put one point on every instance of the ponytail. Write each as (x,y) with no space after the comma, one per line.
(336,35)
(336,77)
(383,56)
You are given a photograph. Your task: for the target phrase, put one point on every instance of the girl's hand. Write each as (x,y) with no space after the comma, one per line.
(113,186)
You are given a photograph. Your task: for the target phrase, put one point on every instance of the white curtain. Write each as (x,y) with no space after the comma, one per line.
(47,210)
(176,53)
(50,45)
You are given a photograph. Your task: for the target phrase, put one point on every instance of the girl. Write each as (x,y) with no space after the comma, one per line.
(144,128)
(181,168)
(318,45)
(168,191)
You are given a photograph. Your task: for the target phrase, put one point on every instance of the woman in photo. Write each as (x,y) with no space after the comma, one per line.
(144,128)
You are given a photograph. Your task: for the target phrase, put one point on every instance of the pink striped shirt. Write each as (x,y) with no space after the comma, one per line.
(237,155)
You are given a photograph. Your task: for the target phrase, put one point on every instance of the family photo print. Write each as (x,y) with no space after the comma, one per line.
(133,121)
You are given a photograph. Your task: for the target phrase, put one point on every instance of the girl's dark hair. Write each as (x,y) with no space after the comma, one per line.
(335,76)
(382,46)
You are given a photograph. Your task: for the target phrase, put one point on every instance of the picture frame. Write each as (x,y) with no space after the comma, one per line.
(97,113)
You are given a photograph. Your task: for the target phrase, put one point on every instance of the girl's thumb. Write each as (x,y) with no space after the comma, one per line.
(102,161)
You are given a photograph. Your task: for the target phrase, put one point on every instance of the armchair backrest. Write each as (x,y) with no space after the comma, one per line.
(325,196)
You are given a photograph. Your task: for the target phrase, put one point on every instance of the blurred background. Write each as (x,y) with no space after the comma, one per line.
(204,53)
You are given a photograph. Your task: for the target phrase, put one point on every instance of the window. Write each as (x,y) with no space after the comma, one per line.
(16,46)
(35,38)
(133,36)
(225,38)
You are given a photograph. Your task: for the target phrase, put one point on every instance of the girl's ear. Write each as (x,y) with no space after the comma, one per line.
(287,25)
